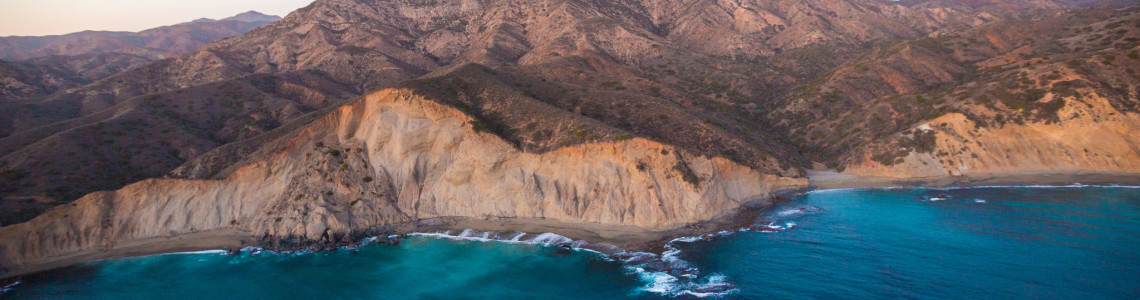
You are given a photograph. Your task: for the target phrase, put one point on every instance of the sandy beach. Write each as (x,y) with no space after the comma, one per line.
(198,241)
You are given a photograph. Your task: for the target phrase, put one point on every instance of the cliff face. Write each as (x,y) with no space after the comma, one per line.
(686,73)
(1092,136)
(395,157)
(984,101)
(528,109)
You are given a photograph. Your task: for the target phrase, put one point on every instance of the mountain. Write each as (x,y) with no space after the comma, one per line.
(43,76)
(645,68)
(253,17)
(1042,94)
(157,43)
(352,117)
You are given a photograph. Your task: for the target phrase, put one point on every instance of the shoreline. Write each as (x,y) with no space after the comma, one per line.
(621,236)
(626,237)
(224,239)
(830,180)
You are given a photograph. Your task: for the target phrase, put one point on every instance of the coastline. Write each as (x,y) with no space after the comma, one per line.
(829,180)
(198,241)
(626,237)
(622,236)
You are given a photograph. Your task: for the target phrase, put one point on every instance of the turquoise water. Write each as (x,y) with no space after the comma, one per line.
(980,243)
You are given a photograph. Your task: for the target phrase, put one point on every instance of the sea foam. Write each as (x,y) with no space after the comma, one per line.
(666,274)
(1042,186)
(671,276)
(8,287)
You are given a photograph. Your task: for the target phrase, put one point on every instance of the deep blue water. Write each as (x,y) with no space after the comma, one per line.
(1046,243)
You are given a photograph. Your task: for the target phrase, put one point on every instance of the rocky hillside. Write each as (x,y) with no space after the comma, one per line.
(157,43)
(696,104)
(43,76)
(395,157)
(981,101)
(641,66)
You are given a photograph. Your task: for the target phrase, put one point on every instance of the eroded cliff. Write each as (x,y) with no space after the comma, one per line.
(1091,136)
(394,157)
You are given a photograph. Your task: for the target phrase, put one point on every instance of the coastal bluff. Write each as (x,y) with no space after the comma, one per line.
(395,157)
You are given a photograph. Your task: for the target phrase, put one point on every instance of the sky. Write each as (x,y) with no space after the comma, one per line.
(50,17)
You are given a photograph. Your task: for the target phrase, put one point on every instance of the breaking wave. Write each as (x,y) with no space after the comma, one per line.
(666,274)
(8,287)
(1075,185)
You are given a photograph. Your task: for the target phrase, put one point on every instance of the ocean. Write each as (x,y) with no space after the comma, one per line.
(1076,242)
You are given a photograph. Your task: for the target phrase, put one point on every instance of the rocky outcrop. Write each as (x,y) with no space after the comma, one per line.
(1091,136)
(527,109)
(686,73)
(395,157)
(987,101)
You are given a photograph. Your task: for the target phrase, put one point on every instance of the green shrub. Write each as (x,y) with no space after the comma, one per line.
(13,175)
(687,173)
(923,141)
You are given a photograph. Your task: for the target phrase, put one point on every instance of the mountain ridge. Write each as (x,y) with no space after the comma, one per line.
(773,88)
(403,158)
(154,43)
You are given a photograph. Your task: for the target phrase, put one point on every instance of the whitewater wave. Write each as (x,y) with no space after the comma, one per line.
(9,287)
(665,274)
(1075,185)
(197,252)
(670,275)
(785,214)
(979,201)
(937,198)
(215,251)
(511,237)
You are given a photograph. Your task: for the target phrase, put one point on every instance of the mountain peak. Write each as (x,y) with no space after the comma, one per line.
(253,16)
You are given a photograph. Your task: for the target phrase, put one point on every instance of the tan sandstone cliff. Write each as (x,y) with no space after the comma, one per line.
(394,157)
(1091,136)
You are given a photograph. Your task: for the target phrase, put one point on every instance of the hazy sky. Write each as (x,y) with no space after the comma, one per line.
(48,17)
